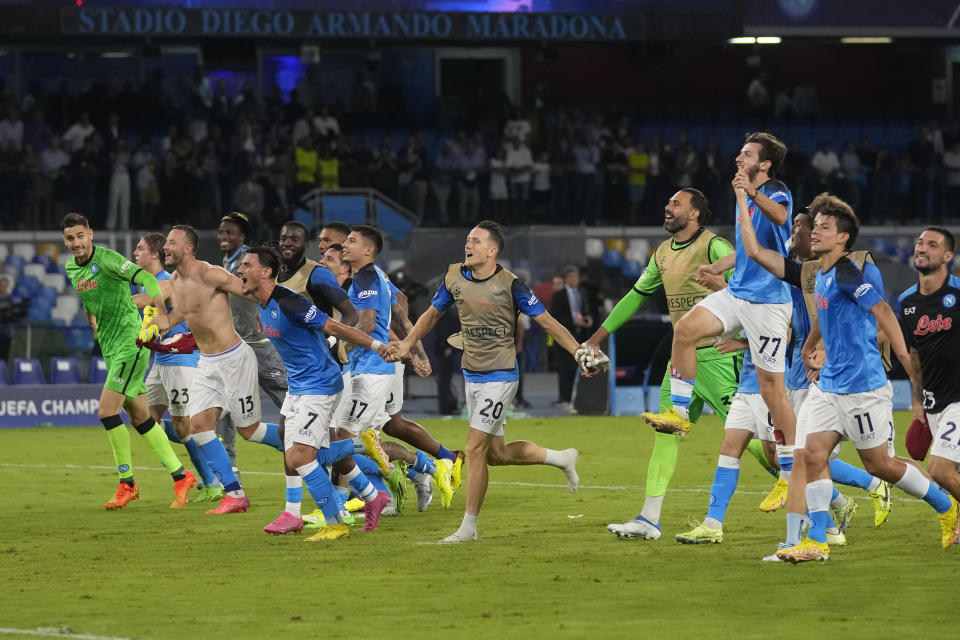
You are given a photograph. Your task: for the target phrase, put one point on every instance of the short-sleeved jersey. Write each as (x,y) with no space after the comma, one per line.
(370,289)
(488,311)
(796,377)
(844,298)
(295,327)
(928,326)
(174,359)
(750,281)
(103,284)
(316,282)
(244,311)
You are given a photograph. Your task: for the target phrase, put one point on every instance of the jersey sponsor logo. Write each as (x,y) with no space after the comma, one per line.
(532,301)
(750,211)
(949,301)
(269,331)
(909,310)
(822,301)
(126,265)
(926,325)
(367,293)
(311,314)
(778,194)
(862,290)
(683,302)
(482,333)
(85,285)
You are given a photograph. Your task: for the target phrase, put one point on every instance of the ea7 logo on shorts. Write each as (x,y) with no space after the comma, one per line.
(303,431)
(368,293)
(862,290)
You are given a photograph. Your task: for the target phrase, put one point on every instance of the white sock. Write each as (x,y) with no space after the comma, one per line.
(555,458)
(368,492)
(293,508)
(651,508)
(913,482)
(468,528)
(259,433)
(839,502)
(874,484)
(712,523)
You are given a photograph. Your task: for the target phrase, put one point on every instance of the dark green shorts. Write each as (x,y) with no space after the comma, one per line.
(126,370)
(717,378)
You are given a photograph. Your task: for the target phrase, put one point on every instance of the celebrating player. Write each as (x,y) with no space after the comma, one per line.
(102,278)
(754,301)
(488,298)
(928,313)
(297,328)
(674,267)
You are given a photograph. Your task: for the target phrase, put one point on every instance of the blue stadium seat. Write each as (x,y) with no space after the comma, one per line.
(631,269)
(27,371)
(64,371)
(612,259)
(80,338)
(98,371)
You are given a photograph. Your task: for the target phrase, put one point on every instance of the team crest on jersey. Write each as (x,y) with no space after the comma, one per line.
(949,301)
(94,268)
(829,280)
(273,313)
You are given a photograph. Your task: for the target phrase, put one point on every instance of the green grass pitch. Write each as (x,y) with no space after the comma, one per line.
(545,567)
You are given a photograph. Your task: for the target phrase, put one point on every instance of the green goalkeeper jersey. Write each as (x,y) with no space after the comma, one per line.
(103,284)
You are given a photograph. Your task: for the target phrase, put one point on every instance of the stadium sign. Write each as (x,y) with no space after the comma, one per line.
(49,405)
(276,23)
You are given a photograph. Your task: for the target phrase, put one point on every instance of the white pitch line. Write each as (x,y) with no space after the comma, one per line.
(51,632)
(633,487)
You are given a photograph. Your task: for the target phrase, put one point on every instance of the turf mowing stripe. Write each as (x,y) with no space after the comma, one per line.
(66,632)
(744,492)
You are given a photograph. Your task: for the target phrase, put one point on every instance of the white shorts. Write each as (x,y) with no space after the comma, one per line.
(749,412)
(796,398)
(345,376)
(362,407)
(395,393)
(487,404)
(169,386)
(945,427)
(865,418)
(766,326)
(228,381)
(307,419)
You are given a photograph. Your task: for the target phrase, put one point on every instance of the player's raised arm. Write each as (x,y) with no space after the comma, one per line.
(769,260)
(563,337)
(775,212)
(354,336)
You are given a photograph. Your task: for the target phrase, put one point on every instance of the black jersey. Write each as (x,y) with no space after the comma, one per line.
(929,326)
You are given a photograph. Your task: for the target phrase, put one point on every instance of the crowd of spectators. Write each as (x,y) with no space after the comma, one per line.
(130,159)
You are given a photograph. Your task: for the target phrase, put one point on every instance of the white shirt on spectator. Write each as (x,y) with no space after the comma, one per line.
(519,158)
(825,162)
(326,126)
(498,180)
(11,131)
(76,135)
(518,129)
(52,160)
